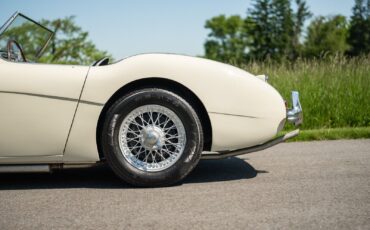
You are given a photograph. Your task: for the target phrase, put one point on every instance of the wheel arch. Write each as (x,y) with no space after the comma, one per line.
(166,84)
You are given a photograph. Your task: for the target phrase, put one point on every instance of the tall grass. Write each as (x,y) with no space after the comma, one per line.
(334,92)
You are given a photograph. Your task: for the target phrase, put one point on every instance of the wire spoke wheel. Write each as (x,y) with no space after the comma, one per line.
(152,138)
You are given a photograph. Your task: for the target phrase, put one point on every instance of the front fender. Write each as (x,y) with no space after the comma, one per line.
(243,109)
(222,88)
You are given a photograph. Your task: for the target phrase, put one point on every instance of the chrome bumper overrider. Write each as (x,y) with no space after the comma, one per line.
(295,114)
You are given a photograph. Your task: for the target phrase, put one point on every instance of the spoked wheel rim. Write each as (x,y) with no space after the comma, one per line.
(152,138)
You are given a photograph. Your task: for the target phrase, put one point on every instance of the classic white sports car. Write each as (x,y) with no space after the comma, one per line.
(151,117)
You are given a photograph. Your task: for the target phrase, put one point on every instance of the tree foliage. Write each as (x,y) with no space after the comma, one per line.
(359,31)
(227,41)
(260,16)
(70,44)
(277,28)
(303,13)
(327,35)
(273,29)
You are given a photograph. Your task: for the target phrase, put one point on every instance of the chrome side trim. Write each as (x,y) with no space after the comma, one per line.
(24,168)
(53,97)
(91,103)
(222,155)
(41,168)
(228,114)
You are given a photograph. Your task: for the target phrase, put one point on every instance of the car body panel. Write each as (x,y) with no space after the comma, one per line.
(38,103)
(223,90)
(244,110)
(82,146)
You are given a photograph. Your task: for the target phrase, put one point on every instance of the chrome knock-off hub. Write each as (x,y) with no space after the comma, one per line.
(152,137)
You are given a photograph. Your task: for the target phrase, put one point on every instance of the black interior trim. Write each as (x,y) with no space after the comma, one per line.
(101,62)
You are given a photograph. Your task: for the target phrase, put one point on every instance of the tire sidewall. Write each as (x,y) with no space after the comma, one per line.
(190,155)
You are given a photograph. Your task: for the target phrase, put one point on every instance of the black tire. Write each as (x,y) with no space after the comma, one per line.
(153,96)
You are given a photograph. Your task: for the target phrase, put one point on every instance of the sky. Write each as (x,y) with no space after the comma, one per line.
(129,27)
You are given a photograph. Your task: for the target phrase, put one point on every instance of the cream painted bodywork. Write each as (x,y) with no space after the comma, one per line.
(243,109)
(34,126)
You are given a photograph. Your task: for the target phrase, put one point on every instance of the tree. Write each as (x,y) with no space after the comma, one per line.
(283,29)
(226,41)
(70,44)
(278,28)
(303,13)
(359,31)
(261,41)
(270,29)
(327,35)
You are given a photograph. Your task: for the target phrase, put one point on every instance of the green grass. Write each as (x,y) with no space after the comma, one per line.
(334,93)
(332,134)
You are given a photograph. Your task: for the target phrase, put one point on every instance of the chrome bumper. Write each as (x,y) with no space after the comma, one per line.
(295,115)
(222,155)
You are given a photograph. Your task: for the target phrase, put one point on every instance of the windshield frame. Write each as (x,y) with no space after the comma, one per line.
(14,16)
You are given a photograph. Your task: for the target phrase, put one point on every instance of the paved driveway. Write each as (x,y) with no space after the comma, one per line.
(316,185)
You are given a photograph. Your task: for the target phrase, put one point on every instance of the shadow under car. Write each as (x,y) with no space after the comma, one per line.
(102,177)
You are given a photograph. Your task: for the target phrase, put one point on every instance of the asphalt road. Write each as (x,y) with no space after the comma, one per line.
(317,185)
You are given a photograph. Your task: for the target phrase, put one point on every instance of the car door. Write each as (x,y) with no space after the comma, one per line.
(37,106)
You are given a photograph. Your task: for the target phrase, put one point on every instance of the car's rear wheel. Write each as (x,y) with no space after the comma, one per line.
(152,137)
